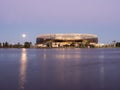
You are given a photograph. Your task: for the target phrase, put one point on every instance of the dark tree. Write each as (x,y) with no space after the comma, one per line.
(5,45)
(0,45)
(27,44)
(118,44)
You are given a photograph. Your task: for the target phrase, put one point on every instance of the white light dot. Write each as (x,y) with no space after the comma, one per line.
(23,35)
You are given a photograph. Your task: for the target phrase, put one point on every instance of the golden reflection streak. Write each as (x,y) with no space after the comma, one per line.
(23,69)
(67,56)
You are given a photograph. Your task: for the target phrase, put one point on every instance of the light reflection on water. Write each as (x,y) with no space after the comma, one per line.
(63,56)
(60,69)
(67,67)
(60,54)
(23,65)
(101,56)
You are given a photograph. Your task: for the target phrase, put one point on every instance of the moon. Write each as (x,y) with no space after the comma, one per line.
(23,35)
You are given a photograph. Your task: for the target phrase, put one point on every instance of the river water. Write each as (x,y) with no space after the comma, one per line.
(60,69)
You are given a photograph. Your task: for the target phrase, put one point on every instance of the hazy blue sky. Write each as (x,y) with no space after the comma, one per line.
(34,17)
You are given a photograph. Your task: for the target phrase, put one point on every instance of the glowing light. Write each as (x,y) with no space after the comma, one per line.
(23,35)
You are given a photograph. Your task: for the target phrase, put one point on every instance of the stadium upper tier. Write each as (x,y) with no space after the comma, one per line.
(67,37)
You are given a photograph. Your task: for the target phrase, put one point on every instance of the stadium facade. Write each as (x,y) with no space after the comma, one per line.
(65,40)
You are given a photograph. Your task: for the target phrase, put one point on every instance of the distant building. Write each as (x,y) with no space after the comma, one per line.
(65,40)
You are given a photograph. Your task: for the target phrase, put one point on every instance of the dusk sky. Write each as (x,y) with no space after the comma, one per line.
(35,17)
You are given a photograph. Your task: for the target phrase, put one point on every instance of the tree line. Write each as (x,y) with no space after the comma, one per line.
(26,44)
(18,45)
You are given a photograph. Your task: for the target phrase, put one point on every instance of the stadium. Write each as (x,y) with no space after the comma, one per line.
(65,40)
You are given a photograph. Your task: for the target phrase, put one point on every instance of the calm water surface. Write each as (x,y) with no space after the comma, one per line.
(60,69)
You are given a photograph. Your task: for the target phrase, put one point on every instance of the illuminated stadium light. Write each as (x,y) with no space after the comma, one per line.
(64,39)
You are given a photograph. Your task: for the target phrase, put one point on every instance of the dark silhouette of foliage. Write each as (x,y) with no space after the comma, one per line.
(27,44)
(0,45)
(6,45)
(118,44)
